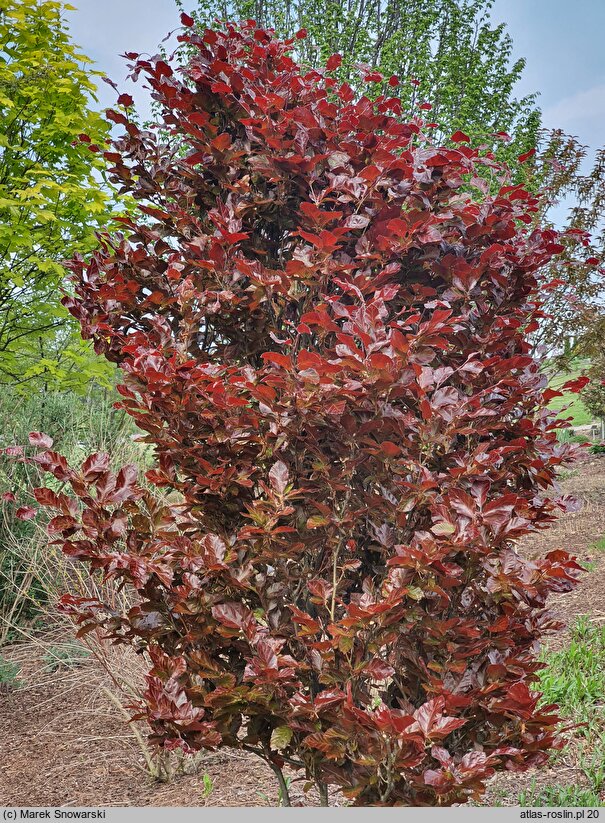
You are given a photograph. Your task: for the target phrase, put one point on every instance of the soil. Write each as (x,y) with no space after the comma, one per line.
(65,742)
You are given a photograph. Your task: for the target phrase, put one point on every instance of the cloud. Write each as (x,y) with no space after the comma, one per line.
(580,110)
(583,115)
(104,30)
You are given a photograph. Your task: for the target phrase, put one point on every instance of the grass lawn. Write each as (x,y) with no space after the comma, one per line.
(580,416)
(574,678)
(577,411)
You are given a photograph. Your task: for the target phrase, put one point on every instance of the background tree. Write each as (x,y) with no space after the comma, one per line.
(51,197)
(593,395)
(574,322)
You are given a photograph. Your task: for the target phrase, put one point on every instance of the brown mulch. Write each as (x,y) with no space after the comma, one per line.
(65,743)
(576,533)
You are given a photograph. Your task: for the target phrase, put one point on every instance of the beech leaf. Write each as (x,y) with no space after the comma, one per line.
(278,476)
(280,738)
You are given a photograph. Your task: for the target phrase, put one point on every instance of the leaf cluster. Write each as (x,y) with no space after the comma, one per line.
(443,57)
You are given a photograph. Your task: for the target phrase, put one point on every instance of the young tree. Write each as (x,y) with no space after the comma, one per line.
(51,200)
(322,332)
(574,322)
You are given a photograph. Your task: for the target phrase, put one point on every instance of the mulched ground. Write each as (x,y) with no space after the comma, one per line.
(65,743)
(576,533)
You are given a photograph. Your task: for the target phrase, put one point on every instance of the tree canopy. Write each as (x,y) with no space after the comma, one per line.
(51,199)
(451,61)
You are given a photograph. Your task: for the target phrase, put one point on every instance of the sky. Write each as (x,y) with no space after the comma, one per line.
(562,42)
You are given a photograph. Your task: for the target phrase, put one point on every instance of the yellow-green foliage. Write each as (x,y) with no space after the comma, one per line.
(51,197)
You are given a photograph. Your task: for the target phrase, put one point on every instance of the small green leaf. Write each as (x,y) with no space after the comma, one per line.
(316,521)
(280,738)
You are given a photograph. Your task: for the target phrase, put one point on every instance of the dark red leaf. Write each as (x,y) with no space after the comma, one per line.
(460,137)
(95,465)
(576,385)
(125,484)
(523,157)
(279,359)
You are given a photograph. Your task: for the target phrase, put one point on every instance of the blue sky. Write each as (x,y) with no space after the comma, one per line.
(562,42)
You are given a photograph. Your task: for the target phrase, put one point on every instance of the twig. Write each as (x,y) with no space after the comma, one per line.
(152,768)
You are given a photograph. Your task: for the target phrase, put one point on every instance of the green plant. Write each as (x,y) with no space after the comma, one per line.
(574,677)
(66,655)
(598,448)
(207,786)
(599,545)
(572,796)
(569,436)
(50,198)
(9,675)
(592,762)
(283,793)
(498,798)
(563,474)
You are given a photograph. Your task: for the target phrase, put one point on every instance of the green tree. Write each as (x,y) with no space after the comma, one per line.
(52,197)
(574,322)
(446,53)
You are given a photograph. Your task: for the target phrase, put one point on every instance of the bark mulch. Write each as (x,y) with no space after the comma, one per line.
(65,743)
